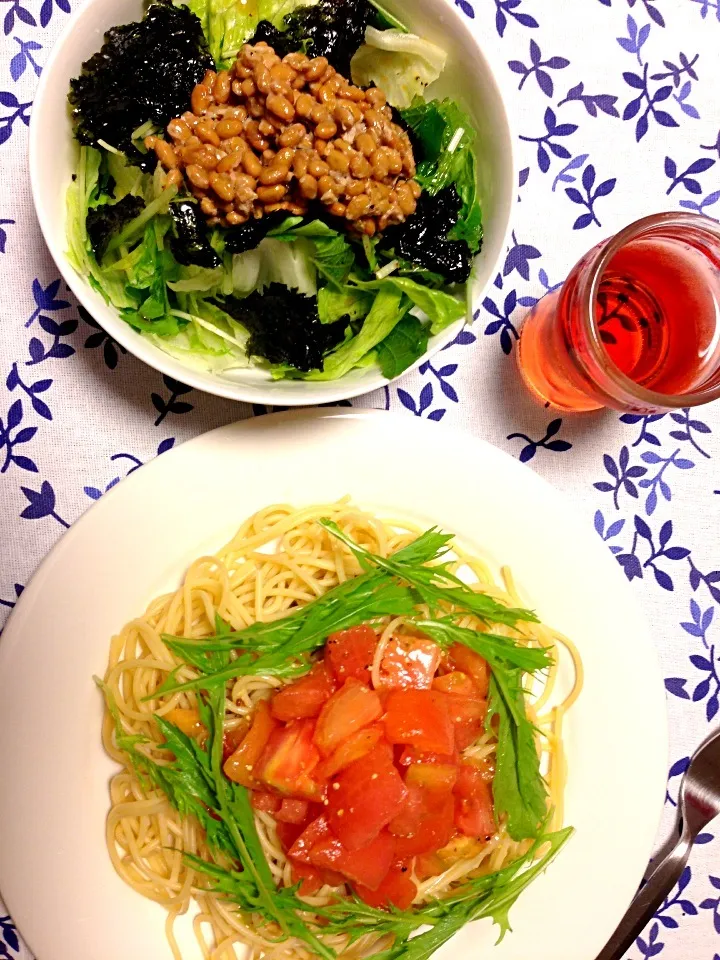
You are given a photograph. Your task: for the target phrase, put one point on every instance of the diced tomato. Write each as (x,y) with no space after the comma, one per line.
(368,866)
(397,889)
(428,865)
(239,765)
(353,707)
(473,803)
(468,716)
(435,830)
(407,821)
(420,718)
(455,682)
(188,720)
(289,759)
(471,663)
(305,697)
(316,832)
(356,746)
(410,755)
(364,798)
(311,878)
(233,738)
(288,833)
(409,662)
(267,802)
(350,653)
(292,810)
(432,777)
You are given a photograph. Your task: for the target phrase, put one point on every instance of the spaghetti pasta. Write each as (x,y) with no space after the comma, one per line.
(280,559)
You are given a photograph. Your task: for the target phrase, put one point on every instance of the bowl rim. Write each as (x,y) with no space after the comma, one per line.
(345,388)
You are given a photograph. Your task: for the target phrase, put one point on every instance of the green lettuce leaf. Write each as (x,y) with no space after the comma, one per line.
(447,137)
(405,344)
(442,308)
(401,64)
(334,303)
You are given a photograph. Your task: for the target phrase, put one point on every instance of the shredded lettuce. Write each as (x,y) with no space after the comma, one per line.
(401,64)
(441,308)
(347,301)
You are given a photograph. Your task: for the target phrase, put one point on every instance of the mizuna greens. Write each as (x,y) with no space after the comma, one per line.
(189,771)
(300,296)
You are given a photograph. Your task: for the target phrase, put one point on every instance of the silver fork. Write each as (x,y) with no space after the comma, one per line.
(699,803)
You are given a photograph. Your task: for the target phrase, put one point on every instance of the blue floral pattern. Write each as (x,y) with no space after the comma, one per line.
(616,107)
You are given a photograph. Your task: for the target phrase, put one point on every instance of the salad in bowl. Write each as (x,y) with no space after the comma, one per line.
(277,194)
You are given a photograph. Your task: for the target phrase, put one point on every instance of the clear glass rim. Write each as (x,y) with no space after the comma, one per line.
(588,290)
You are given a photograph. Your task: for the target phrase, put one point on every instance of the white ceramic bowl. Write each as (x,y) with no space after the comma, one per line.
(467,77)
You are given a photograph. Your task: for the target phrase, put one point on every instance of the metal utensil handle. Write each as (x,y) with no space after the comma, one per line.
(648,899)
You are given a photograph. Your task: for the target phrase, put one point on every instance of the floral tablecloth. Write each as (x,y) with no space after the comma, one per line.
(617,116)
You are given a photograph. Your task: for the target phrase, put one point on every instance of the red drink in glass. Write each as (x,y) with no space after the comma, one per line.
(636,325)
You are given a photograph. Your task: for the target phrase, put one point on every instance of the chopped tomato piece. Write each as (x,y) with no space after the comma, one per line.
(420,718)
(397,889)
(410,755)
(353,707)
(409,662)
(316,832)
(305,697)
(473,803)
(428,865)
(239,765)
(292,810)
(289,759)
(356,746)
(468,716)
(455,682)
(435,830)
(188,720)
(288,833)
(233,738)
(433,777)
(471,663)
(310,876)
(267,802)
(368,866)
(407,822)
(350,653)
(364,798)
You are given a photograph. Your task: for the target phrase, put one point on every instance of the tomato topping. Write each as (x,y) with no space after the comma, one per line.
(428,865)
(433,777)
(473,803)
(409,662)
(233,738)
(311,878)
(407,822)
(356,746)
(353,707)
(350,653)
(455,682)
(435,830)
(468,715)
(288,833)
(188,721)
(315,832)
(410,755)
(289,759)
(292,811)
(267,802)
(239,766)
(397,889)
(305,697)
(471,663)
(364,798)
(368,866)
(420,718)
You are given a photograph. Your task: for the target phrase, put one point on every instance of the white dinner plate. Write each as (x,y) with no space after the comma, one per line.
(136,542)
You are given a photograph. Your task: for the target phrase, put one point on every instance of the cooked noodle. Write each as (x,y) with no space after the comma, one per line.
(278,559)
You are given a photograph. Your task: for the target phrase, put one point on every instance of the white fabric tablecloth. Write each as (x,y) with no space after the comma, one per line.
(617,116)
